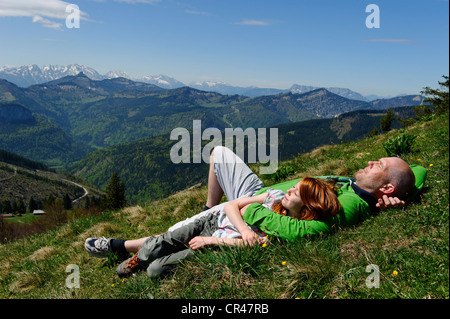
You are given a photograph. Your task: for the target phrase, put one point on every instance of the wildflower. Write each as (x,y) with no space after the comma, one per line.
(431,165)
(395,272)
(112,285)
(264,245)
(284,263)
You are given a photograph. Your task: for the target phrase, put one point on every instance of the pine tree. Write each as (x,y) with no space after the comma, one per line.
(67,202)
(386,121)
(115,193)
(7,208)
(439,99)
(21,206)
(32,205)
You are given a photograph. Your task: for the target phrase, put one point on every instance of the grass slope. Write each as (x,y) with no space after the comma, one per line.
(409,245)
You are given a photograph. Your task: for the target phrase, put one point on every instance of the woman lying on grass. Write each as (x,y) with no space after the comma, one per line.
(309,199)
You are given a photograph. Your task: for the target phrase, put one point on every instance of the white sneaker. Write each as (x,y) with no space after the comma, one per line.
(98,247)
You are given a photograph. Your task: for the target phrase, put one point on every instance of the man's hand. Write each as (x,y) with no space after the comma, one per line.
(388,202)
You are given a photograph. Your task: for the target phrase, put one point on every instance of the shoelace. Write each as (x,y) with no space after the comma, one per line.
(101,243)
(134,262)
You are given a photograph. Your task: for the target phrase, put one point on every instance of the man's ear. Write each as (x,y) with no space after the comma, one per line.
(387,189)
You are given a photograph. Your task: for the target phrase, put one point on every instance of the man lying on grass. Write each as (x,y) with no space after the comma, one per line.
(380,185)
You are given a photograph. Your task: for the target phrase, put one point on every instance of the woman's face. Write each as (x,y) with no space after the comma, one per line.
(292,200)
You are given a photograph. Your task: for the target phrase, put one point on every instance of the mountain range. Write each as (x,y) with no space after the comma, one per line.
(27,75)
(101,113)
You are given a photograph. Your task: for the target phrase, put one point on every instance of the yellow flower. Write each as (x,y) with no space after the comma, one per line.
(264,245)
(431,165)
(283,263)
(395,272)
(112,285)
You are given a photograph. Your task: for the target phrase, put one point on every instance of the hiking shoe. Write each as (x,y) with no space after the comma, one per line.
(98,247)
(130,266)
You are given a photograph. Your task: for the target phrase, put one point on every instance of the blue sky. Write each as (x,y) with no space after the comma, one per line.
(241,42)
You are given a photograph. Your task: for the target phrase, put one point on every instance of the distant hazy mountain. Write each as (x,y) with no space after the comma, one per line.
(347,93)
(252,91)
(27,75)
(162,81)
(227,89)
(382,104)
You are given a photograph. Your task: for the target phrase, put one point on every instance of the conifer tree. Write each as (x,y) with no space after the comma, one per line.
(115,193)
(32,205)
(439,99)
(386,121)
(67,202)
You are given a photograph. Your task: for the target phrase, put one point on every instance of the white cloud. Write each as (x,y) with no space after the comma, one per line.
(254,22)
(39,10)
(47,23)
(200,13)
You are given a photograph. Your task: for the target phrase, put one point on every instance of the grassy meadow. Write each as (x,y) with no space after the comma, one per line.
(409,246)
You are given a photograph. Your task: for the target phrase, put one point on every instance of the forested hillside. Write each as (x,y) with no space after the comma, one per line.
(23,180)
(38,139)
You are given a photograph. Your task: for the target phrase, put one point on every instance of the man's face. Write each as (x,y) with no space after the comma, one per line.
(375,174)
(382,177)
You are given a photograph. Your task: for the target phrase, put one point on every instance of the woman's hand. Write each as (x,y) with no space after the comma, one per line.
(199,242)
(251,238)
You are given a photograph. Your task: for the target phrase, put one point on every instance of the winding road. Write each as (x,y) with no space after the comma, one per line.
(81,186)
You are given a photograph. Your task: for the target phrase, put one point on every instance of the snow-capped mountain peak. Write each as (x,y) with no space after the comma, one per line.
(161,80)
(27,75)
(117,74)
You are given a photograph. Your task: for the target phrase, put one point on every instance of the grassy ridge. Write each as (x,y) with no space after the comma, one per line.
(409,246)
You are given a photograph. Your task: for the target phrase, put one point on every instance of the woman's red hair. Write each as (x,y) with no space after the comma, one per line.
(319,199)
